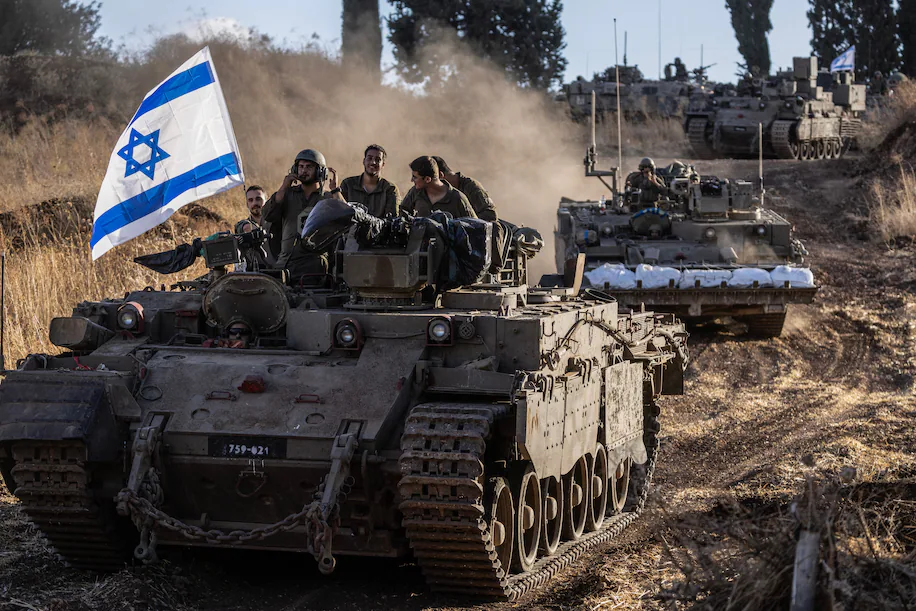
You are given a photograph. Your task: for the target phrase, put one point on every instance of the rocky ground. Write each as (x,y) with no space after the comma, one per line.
(818,420)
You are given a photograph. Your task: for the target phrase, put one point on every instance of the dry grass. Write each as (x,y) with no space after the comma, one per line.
(893,206)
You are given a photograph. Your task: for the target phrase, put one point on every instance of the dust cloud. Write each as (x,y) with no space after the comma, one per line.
(518,143)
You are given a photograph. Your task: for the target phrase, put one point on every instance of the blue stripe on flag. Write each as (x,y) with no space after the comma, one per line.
(153,199)
(182,83)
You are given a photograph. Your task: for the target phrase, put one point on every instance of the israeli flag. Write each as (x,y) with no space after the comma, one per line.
(846,62)
(178,148)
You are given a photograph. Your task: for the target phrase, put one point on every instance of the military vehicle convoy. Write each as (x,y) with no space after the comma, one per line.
(806,114)
(710,249)
(424,397)
(639,99)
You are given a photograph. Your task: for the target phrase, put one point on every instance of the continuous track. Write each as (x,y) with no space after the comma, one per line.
(444,507)
(696,135)
(52,482)
(781,140)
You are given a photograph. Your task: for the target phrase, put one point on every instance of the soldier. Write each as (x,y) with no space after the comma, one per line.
(378,195)
(680,70)
(480,201)
(256,258)
(650,186)
(287,209)
(256,197)
(429,193)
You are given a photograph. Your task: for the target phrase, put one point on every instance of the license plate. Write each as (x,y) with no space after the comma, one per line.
(247,447)
(740,129)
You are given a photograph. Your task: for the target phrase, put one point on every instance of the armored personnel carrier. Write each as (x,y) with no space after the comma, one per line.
(639,99)
(709,249)
(424,399)
(805,114)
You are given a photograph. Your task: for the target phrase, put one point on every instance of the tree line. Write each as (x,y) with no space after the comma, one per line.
(523,37)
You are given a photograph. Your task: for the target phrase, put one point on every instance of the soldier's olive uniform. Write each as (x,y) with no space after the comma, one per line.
(381,202)
(478,197)
(287,219)
(416,203)
(649,191)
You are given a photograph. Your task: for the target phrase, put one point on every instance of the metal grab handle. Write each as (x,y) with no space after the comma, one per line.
(307,398)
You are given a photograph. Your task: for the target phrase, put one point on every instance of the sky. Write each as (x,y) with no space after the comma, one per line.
(589,26)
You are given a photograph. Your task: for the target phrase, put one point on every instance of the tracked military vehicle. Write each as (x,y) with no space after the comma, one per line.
(425,399)
(805,114)
(639,99)
(709,249)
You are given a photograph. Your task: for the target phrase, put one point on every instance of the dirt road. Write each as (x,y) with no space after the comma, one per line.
(835,391)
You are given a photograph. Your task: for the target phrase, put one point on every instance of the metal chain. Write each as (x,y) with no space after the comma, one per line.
(146,515)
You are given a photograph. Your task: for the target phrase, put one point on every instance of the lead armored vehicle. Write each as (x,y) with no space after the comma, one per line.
(805,114)
(709,249)
(426,399)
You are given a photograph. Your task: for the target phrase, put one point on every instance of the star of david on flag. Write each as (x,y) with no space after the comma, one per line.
(156,154)
(845,62)
(179,147)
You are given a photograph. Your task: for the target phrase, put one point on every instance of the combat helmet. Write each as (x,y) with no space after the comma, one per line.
(315,157)
(647,162)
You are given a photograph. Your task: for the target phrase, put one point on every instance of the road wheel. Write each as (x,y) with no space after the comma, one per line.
(552,528)
(821,149)
(502,521)
(599,489)
(528,518)
(576,491)
(620,485)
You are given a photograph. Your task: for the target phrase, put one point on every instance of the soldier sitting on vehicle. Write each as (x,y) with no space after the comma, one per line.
(472,189)
(650,186)
(256,198)
(287,209)
(380,197)
(430,193)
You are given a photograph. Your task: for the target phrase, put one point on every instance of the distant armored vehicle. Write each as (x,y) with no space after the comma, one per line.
(640,99)
(805,114)
(711,249)
(425,397)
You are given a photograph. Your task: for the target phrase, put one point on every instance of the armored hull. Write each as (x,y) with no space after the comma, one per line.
(710,250)
(801,115)
(493,432)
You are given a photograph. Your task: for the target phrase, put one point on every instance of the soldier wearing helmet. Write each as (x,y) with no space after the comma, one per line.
(650,186)
(287,209)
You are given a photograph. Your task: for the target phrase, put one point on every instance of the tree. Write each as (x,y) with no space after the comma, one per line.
(906,24)
(870,25)
(61,27)
(831,27)
(524,37)
(361,39)
(751,21)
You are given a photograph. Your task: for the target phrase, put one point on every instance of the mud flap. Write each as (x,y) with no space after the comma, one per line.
(43,410)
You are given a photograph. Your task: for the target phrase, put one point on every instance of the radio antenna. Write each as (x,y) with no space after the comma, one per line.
(617,92)
(760,158)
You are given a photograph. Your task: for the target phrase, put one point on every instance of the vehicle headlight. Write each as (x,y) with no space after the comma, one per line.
(439,331)
(761,230)
(130,317)
(709,233)
(347,335)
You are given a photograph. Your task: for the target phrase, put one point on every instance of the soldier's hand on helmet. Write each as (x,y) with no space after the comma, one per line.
(288,179)
(332,178)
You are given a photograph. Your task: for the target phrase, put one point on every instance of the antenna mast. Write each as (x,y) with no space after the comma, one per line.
(617,77)
(624,47)
(659,39)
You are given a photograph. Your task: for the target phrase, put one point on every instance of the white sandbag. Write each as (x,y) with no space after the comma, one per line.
(798,277)
(655,277)
(745,277)
(615,275)
(709,278)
